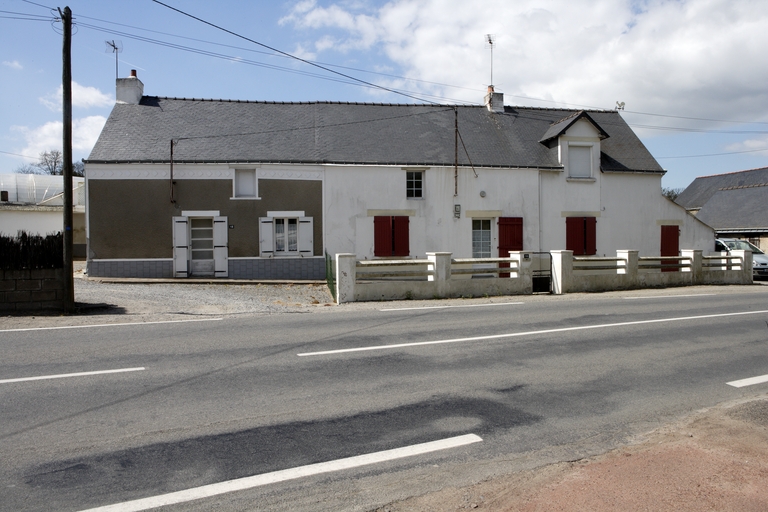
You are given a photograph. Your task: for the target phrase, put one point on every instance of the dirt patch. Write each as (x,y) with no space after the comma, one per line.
(713,460)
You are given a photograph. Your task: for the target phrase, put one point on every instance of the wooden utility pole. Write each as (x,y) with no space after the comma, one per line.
(66,83)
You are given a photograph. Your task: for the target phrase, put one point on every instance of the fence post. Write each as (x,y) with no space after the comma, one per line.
(562,271)
(630,268)
(441,266)
(346,274)
(694,256)
(523,261)
(745,265)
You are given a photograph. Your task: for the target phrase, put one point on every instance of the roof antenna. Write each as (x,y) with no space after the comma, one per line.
(114,47)
(489,44)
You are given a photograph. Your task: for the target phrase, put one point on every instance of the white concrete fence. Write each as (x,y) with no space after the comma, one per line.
(441,276)
(627,270)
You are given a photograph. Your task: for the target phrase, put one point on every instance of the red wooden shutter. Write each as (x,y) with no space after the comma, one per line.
(670,245)
(510,238)
(590,235)
(382,236)
(574,235)
(401,237)
(510,235)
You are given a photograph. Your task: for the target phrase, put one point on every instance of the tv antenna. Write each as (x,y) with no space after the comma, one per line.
(114,47)
(489,42)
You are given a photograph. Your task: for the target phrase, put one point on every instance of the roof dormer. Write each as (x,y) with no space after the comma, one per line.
(577,138)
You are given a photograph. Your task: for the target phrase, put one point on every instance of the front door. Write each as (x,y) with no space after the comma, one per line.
(510,238)
(670,246)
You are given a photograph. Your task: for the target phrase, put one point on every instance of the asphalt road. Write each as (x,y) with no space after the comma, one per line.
(203,402)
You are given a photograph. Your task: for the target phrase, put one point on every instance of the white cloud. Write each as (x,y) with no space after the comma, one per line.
(702,58)
(760,143)
(82,96)
(85,132)
(13,64)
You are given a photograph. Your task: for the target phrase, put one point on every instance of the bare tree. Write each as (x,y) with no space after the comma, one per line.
(28,169)
(51,162)
(671,193)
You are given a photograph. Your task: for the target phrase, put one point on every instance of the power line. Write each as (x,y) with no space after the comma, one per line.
(248,61)
(712,154)
(370,84)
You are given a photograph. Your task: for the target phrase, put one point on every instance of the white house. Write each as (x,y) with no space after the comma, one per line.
(179,187)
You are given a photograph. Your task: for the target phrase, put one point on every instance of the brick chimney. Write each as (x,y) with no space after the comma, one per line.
(129,90)
(494,101)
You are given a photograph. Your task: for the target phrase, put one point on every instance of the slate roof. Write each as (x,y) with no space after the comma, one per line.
(349,133)
(739,209)
(703,188)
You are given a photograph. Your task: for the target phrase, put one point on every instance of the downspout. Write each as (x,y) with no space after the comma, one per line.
(173,199)
(455,151)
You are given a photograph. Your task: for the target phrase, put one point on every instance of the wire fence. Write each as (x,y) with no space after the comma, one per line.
(29,252)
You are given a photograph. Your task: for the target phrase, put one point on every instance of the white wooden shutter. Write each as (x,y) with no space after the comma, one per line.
(220,247)
(305,237)
(180,247)
(266,237)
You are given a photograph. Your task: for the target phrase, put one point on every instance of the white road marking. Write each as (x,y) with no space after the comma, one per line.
(66,375)
(112,325)
(250,482)
(529,333)
(464,306)
(669,296)
(748,382)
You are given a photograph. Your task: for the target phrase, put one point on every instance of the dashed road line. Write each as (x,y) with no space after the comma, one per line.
(670,296)
(462,306)
(748,382)
(250,482)
(528,333)
(67,375)
(112,325)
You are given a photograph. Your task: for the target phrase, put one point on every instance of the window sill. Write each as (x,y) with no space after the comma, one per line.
(245,198)
(580,180)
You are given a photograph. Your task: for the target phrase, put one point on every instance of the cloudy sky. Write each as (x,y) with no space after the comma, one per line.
(691,73)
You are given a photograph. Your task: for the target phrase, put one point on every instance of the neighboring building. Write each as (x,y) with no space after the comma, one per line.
(35,203)
(734,204)
(243,189)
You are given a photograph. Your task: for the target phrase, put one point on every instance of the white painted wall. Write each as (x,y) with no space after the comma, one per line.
(33,222)
(353,196)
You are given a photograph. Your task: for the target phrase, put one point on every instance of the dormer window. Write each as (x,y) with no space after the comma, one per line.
(579,161)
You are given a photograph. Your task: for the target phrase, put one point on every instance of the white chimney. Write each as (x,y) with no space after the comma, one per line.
(494,101)
(129,90)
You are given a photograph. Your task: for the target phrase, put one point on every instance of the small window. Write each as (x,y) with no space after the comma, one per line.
(414,187)
(580,161)
(286,236)
(245,183)
(481,238)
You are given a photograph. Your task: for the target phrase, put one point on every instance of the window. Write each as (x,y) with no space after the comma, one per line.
(245,183)
(581,235)
(286,236)
(390,236)
(580,161)
(414,184)
(481,238)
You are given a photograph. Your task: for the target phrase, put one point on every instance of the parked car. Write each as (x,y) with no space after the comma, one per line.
(759,259)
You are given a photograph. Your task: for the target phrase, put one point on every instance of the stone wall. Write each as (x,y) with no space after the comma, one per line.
(31,290)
